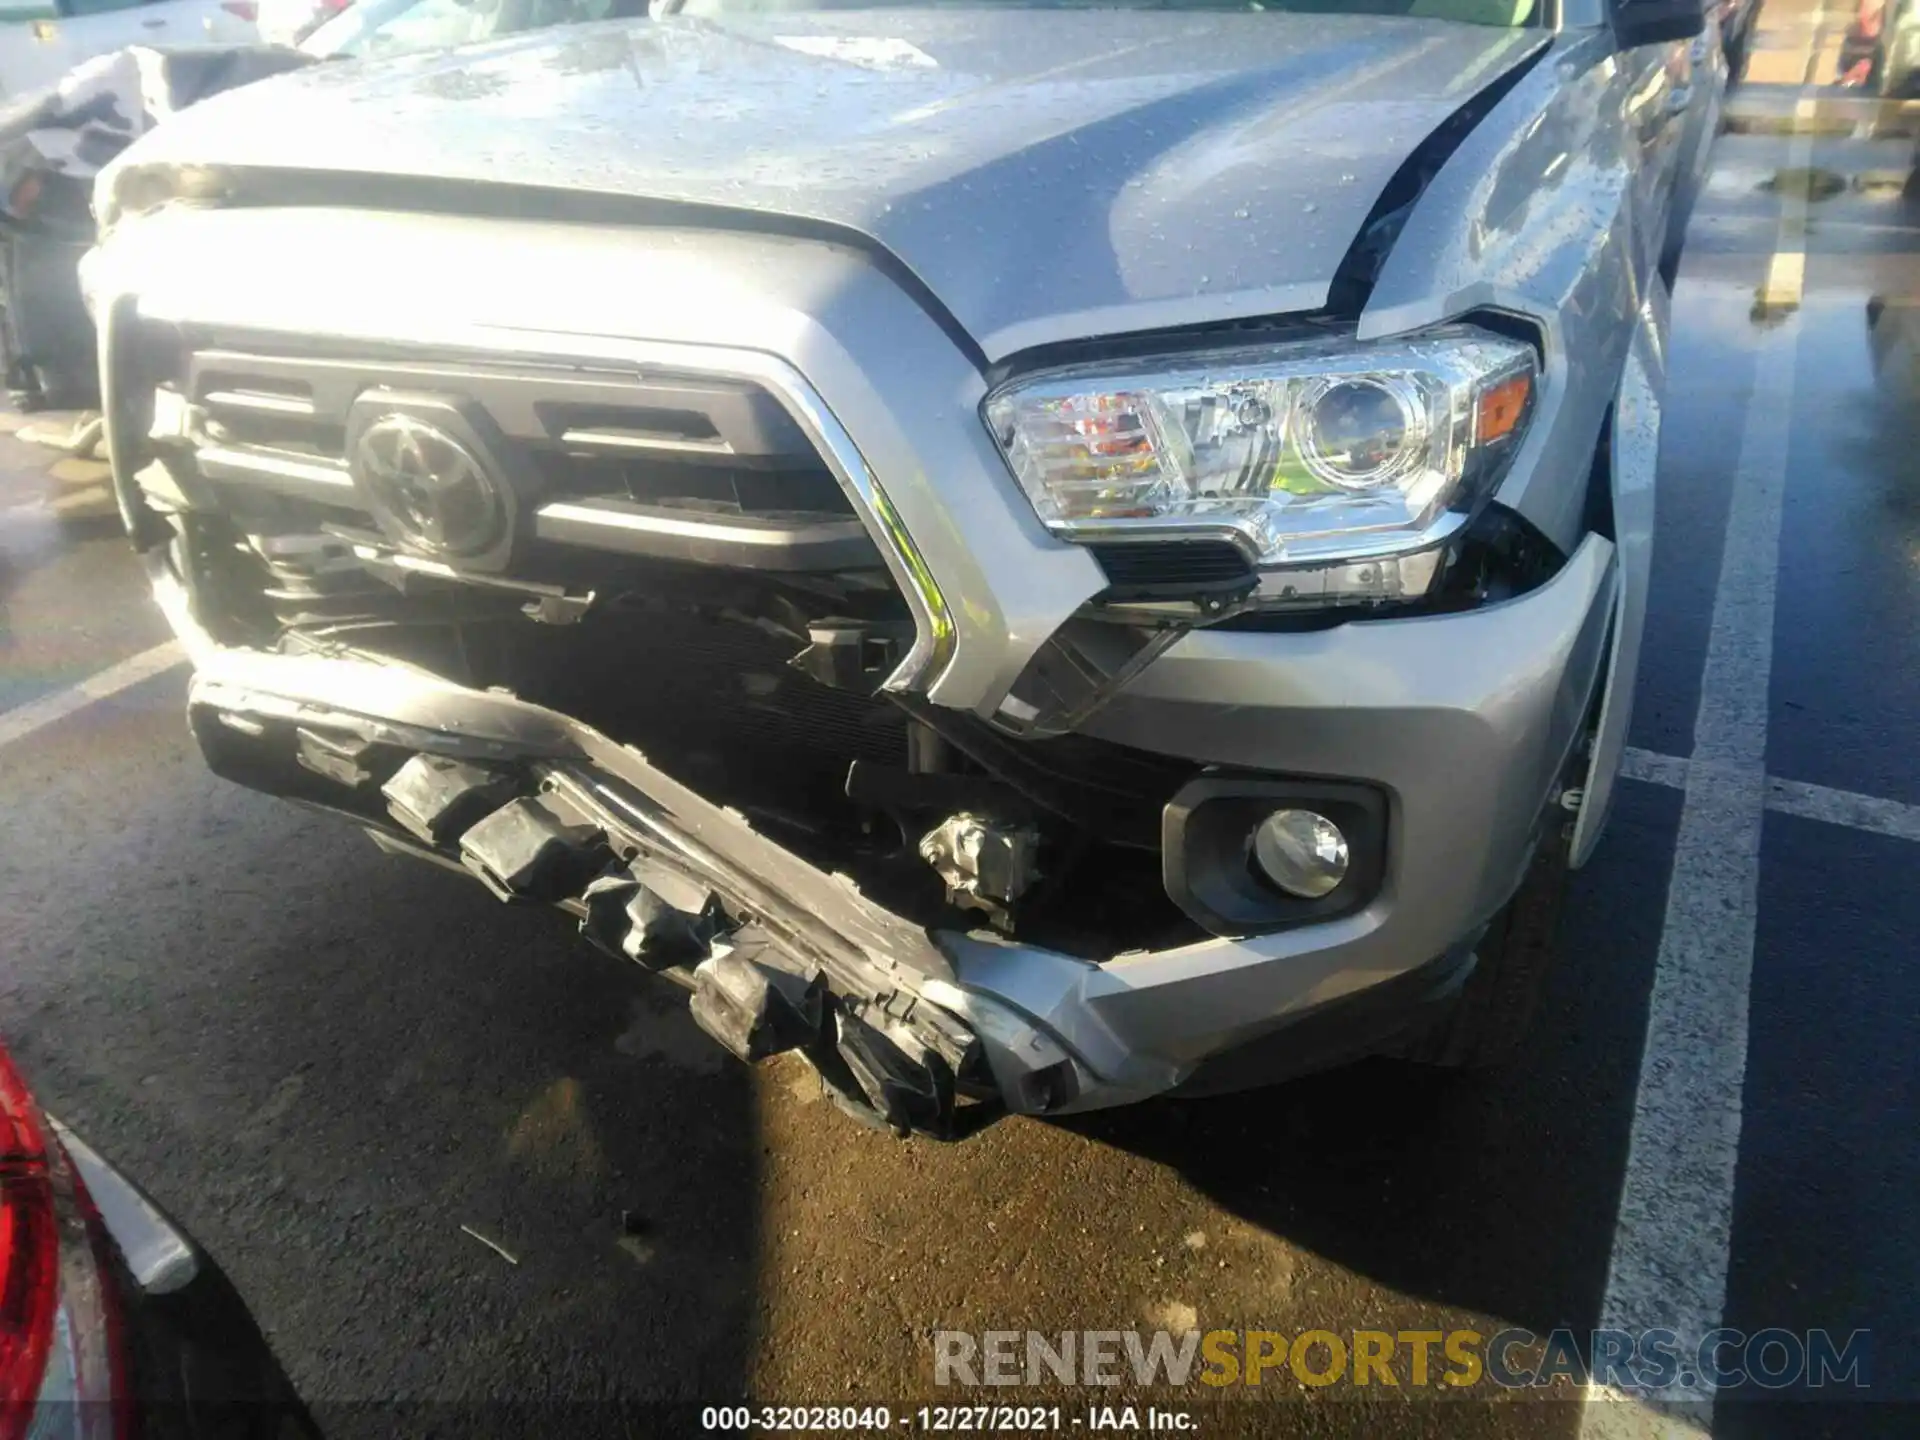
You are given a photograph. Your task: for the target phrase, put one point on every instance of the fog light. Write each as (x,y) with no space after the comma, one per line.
(1303,853)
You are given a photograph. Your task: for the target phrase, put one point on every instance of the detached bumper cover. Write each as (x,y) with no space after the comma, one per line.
(1465,721)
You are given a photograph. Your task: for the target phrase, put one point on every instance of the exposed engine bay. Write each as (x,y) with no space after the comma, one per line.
(760,692)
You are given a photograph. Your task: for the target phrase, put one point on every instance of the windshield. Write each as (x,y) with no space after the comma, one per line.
(1506,13)
(389,27)
(392,27)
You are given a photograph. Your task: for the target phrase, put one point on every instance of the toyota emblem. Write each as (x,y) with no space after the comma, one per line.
(428,490)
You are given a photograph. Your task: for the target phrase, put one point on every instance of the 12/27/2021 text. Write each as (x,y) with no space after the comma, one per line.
(949,1419)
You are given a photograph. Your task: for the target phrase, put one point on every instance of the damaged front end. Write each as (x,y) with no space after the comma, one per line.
(779,954)
(623,644)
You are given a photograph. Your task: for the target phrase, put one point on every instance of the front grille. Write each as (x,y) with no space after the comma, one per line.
(693,684)
(665,466)
(698,488)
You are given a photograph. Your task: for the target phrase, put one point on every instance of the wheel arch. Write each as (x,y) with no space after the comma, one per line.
(1632,449)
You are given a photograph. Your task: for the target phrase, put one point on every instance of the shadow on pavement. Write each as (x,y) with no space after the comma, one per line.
(1493,1193)
(359,1082)
(204,1371)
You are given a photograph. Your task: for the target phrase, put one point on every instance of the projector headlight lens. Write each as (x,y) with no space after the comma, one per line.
(1305,454)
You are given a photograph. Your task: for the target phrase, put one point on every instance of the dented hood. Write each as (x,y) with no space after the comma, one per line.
(1047,175)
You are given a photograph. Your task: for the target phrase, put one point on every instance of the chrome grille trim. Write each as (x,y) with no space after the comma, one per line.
(257,400)
(935,633)
(322,480)
(773,545)
(621,441)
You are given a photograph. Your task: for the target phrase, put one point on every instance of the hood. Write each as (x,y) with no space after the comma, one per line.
(1047,175)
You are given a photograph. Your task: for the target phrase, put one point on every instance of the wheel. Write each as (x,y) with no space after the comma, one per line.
(1511,964)
(46,336)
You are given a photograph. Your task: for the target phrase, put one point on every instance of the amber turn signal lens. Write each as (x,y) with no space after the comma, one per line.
(1502,407)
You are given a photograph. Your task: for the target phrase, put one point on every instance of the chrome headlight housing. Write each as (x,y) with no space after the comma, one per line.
(1308,456)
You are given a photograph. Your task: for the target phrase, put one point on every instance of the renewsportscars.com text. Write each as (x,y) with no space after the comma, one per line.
(1650,1360)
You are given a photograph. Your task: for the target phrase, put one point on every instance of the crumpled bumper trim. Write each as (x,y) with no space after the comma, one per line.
(896,986)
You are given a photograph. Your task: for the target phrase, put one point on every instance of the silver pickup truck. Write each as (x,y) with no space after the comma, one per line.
(1036,554)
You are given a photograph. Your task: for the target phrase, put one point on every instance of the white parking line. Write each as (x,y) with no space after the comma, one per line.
(1787,272)
(1844,807)
(1655,769)
(24,720)
(1674,1229)
(1792,797)
(1673,1233)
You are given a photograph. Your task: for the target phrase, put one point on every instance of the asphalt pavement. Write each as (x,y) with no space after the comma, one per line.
(453,1157)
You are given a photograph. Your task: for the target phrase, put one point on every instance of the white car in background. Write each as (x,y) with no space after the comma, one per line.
(40,40)
(52,143)
(391,27)
(357,27)
(288,22)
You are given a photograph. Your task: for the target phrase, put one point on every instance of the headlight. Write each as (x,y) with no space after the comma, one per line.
(1307,455)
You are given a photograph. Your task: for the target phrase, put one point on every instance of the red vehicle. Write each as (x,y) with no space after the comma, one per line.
(112,1324)
(1859,50)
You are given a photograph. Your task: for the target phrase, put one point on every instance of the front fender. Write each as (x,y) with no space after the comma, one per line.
(1708,88)
(1543,212)
(1539,213)
(1633,459)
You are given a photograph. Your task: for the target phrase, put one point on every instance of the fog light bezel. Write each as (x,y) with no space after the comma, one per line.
(1206,861)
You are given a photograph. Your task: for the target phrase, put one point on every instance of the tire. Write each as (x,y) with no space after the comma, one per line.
(22,385)
(1489,1022)
(46,336)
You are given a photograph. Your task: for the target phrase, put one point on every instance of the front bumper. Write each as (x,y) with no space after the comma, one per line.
(1466,722)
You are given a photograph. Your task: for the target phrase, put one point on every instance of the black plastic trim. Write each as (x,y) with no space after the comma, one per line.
(1207,868)
(1253,330)
(1174,569)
